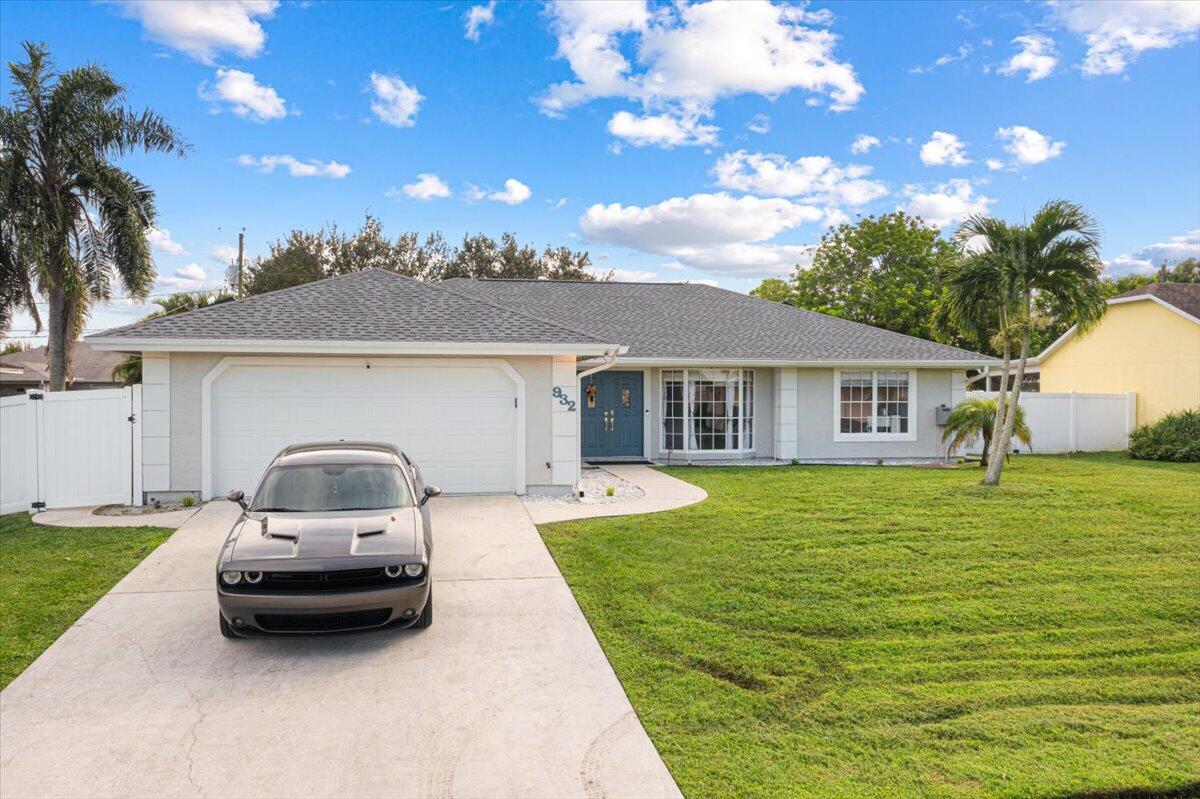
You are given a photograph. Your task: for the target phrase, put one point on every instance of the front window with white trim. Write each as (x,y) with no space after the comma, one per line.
(708,410)
(873,403)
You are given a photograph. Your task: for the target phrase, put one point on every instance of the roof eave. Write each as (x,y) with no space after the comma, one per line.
(911,363)
(333,347)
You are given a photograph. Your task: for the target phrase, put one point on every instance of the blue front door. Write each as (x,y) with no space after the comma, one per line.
(612,415)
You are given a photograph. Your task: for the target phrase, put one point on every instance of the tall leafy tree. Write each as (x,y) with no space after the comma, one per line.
(1053,259)
(773,289)
(884,271)
(302,257)
(74,221)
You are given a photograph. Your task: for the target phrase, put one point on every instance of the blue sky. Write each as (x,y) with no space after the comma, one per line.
(703,142)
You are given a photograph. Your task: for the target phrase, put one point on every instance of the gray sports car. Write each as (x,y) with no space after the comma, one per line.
(335,539)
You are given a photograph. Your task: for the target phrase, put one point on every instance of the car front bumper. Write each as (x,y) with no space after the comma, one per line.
(289,614)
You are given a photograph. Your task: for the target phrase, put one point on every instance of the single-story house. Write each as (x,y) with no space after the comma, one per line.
(504,385)
(1148,341)
(26,369)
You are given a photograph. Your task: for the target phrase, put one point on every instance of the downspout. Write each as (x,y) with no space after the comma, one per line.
(610,358)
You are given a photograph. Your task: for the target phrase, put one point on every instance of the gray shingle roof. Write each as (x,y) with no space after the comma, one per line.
(371,305)
(87,365)
(1184,296)
(676,320)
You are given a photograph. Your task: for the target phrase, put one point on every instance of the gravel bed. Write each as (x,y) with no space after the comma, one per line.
(594,484)
(144,510)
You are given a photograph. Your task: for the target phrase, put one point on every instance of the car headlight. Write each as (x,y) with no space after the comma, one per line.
(231,578)
(414,569)
(253,577)
(393,571)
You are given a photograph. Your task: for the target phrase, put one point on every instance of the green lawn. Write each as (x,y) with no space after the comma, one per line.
(50,575)
(858,632)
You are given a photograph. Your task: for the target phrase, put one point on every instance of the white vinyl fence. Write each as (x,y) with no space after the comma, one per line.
(1073,422)
(69,448)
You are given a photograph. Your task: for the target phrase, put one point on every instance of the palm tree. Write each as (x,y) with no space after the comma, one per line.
(976,418)
(73,220)
(1055,258)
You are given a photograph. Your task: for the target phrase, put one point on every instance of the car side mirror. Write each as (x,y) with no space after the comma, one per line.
(430,493)
(238,496)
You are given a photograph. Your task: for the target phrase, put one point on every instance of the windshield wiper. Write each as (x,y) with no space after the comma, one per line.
(276,510)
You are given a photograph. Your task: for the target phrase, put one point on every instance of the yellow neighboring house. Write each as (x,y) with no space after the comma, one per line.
(1148,341)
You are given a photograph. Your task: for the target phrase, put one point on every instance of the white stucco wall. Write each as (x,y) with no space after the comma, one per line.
(181,374)
(816,409)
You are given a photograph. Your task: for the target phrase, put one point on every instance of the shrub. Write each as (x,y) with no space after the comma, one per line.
(188,501)
(1175,437)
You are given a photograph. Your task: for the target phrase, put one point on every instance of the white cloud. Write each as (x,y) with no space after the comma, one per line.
(192,271)
(160,239)
(814,178)
(863,143)
(711,232)
(691,56)
(223,253)
(312,168)
(203,28)
(994,164)
(477,18)
(395,102)
(515,192)
(1118,31)
(627,275)
(661,130)
(1028,146)
(964,50)
(944,148)
(946,203)
(759,123)
(1036,57)
(1152,256)
(186,277)
(557,202)
(246,97)
(427,186)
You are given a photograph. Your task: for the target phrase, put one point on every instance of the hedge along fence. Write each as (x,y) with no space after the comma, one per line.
(1175,437)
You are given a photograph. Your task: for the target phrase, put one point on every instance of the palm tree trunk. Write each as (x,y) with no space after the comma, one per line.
(1010,417)
(987,445)
(56,325)
(1001,406)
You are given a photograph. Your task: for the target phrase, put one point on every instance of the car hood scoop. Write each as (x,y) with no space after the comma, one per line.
(308,535)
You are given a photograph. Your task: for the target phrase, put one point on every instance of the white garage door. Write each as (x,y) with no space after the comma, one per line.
(457,422)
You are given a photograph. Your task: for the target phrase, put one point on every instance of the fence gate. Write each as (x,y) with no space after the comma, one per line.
(64,449)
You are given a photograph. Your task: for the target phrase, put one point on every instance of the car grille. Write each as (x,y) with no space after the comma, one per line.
(311,582)
(322,622)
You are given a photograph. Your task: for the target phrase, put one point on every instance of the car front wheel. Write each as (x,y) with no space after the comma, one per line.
(226,630)
(426,617)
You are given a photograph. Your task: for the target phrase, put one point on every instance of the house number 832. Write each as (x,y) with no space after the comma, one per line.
(563,399)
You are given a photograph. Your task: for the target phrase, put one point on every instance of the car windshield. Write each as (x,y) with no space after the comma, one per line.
(331,487)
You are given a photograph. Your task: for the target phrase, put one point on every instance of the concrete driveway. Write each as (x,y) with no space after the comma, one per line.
(507,694)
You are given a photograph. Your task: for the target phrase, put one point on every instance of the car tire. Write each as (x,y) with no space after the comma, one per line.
(226,630)
(426,617)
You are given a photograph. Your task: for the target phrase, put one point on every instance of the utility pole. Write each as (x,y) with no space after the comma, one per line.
(241,292)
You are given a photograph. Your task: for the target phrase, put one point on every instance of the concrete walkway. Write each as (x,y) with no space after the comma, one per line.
(663,492)
(83,517)
(508,694)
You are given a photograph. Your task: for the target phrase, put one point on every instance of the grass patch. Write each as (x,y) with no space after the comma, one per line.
(871,632)
(52,575)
